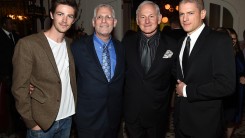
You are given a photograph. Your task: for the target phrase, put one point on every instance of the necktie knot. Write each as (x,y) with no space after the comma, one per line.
(105,46)
(188,40)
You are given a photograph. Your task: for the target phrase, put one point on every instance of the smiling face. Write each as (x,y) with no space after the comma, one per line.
(63,18)
(148,19)
(104,22)
(191,18)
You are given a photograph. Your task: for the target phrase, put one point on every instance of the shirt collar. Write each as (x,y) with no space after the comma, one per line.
(150,39)
(7,32)
(99,41)
(196,34)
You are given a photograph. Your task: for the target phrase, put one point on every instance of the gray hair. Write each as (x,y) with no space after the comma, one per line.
(148,2)
(106,6)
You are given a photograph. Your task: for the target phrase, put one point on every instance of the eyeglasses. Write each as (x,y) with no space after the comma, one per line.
(107,18)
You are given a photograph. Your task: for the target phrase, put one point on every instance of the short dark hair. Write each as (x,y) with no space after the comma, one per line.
(200,3)
(71,3)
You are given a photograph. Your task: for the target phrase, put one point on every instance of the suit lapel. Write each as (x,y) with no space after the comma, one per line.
(161,49)
(135,54)
(44,42)
(119,59)
(71,68)
(138,58)
(6,37)
(91,49)
(198,45)
(179,70)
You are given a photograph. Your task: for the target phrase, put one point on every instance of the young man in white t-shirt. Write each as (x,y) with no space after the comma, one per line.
(44,60)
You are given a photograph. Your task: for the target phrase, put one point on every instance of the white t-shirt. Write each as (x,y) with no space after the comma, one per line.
(67,104)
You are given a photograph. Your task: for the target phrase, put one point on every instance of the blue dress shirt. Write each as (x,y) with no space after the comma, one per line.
(98,44)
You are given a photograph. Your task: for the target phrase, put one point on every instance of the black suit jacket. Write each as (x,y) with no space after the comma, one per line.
(6,54)
(147,95)
(98,99)
(210,77)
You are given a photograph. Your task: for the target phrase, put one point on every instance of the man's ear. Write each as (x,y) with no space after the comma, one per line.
(115,22)
(51,15)
(203,14)
(93,24)
(137,21)
(159,18)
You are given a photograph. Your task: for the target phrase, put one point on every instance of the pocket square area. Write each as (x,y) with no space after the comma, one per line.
(168,54)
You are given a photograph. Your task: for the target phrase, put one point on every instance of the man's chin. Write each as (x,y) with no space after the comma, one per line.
(149,33)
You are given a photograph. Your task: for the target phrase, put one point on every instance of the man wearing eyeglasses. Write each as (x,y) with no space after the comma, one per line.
(99,60)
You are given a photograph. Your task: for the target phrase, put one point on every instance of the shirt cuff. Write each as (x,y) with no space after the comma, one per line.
(184,91)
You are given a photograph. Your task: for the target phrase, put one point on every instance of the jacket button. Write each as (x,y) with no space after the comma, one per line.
(59,82)
(58,100)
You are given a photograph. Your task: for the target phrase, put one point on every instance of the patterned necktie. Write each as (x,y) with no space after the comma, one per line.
(106,62)
(11,37)
(146,57)
(186,55)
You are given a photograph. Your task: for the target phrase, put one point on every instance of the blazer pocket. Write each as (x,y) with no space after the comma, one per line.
(38,96)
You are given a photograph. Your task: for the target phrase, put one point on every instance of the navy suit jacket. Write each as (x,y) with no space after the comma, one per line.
(98,99)
(210,77)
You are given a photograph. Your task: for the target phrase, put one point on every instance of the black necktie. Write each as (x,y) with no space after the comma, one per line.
(11,37)
(186,55)
(146,57)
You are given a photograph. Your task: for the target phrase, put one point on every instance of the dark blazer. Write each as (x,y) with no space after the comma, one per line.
(147,95)
(98,99)
(6,54)
(34,63)
(210,77)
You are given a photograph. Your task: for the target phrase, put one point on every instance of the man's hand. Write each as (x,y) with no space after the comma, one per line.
(242,80)
(36,128)
(31,88)
(179,88)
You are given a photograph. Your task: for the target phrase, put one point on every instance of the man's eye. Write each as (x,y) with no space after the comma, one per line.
(99,17)
(71,16)
(108,17)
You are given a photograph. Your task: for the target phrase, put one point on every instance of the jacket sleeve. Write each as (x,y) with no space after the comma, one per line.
(22,68)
